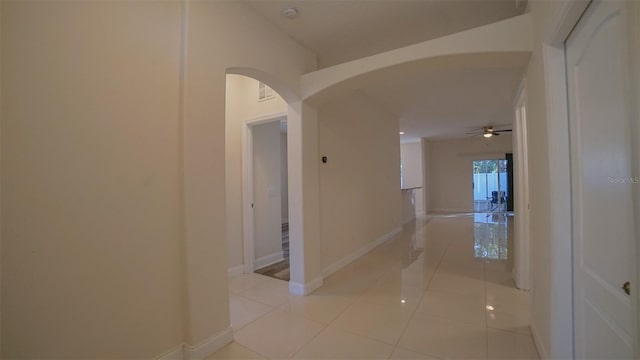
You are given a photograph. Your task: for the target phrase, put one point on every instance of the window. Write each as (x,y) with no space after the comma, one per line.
(264,92)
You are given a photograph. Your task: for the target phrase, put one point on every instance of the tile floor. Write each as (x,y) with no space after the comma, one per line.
(440,290)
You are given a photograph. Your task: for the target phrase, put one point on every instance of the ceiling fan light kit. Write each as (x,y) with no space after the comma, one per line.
(488,131)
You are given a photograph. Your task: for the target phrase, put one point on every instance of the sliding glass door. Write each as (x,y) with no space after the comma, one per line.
(490,189)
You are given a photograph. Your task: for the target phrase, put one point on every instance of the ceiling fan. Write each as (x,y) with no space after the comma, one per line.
(489,131)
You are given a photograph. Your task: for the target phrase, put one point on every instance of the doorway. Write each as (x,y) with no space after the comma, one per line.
(490,186)
(267,197)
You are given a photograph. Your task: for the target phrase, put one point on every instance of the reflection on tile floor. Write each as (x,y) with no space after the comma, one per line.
(490,235)
(440,290)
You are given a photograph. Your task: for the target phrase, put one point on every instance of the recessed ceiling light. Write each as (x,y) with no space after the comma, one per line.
(401,132)
(290,12)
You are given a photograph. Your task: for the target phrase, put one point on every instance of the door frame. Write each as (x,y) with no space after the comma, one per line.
(247,186)
(557,120)
(522,263)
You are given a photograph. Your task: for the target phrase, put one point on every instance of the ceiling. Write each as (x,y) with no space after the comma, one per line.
(450,103)
(343,30)
(442,103)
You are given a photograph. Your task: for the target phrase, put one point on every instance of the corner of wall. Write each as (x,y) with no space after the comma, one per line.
(201,351)
(210,345)
(307,288)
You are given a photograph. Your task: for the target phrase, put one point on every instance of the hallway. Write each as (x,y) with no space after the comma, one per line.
(440,289)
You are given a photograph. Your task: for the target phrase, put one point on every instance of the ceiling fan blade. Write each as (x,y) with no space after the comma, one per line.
(505,130)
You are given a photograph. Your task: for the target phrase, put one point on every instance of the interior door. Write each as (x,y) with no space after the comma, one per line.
(267,199)
(600,116)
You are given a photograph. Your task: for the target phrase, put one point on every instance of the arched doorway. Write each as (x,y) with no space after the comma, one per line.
(239,201)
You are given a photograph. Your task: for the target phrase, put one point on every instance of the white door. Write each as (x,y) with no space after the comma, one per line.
(603,181)
(267,199)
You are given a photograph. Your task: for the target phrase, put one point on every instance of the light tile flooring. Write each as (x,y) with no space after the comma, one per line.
(440,290)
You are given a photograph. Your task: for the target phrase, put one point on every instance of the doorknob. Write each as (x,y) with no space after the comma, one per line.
(627,288)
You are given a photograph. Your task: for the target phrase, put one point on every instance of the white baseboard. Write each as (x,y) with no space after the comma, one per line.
(268,260)
(305,289)
(176,354)
(202,350)
(209,346)
(236,270)
(514,276)
(536,340)
(360,252)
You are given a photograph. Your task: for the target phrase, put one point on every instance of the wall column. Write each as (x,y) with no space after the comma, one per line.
(304,201)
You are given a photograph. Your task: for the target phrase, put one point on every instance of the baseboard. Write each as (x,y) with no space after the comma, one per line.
(516,279)
(209,346)
(236,270)
(305,289)
(268,260)
(176,354)
(536,340)
(202,350)
(360,252)
(522,285)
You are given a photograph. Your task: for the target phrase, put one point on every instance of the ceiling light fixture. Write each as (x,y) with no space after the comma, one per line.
(401,132)
(487,134)
(290,12)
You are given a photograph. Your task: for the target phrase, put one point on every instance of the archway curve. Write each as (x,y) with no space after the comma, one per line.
(289,95)
(409,69)
(511,35)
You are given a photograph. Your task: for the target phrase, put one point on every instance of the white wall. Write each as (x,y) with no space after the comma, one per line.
(267,197)
(360,183)
(113,211)
(539,184)
(411,158)
(449,172)
(284,192)
(91,235)
(241,105)
(426,176)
